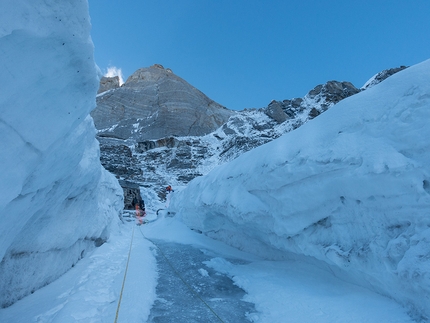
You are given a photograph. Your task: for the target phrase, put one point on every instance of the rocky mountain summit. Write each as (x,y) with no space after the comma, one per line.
(143,143)
(108,83)
(154,103)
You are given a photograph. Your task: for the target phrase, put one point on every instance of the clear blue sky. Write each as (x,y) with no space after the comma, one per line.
(245,53)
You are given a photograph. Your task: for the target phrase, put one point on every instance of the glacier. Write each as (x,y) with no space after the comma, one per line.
(56,201)
(349,189)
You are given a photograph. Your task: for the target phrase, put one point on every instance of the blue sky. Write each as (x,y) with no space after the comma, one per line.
(245,53)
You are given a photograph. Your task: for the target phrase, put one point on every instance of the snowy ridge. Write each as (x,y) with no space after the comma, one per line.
(56,201)
(350,188)
(379,77)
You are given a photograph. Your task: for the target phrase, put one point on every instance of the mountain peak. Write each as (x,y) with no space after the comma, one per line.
(108,83)
(155,103)
(154,73)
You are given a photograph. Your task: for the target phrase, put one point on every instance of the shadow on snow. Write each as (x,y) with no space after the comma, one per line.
(192,292)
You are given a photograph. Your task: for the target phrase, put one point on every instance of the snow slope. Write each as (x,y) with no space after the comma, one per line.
(56,201)
(350,188)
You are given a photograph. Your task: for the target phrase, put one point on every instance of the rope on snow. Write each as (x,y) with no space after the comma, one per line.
(125,276)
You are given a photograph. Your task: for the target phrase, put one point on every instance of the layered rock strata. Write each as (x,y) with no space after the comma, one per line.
(154,103)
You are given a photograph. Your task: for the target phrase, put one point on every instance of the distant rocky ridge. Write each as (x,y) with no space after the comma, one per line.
(378,78)
(154,154)
(319,99)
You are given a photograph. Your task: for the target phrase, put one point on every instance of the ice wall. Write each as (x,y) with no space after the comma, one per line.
(350,188)
(56,201)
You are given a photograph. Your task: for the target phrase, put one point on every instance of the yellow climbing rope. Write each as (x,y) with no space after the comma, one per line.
(125,276)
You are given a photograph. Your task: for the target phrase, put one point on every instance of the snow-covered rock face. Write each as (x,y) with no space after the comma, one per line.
(378,78)
(176,159)
(56,201)
(318,100)
(350,188)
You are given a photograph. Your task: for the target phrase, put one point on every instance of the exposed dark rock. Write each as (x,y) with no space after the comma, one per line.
(152,144)
(318,100)
(314,113)
(108,83)
(131,193)
(118,159)
(274,110)
(381,76)
(333,91)
(293,107)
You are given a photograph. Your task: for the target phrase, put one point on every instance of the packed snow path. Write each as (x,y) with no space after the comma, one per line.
(189,291)
(281,291)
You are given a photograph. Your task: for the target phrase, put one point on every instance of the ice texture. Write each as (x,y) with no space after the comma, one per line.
(350,188)
(56,201)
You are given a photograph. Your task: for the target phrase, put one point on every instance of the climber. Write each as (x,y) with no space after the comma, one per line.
(169,189)
(140,214)
(142,204)
(139,202)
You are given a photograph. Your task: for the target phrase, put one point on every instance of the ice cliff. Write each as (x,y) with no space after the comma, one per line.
(56,201)
(350,188)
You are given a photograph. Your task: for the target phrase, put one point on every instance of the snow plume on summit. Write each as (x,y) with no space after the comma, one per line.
(56,201)
(113,71)
(350,189)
